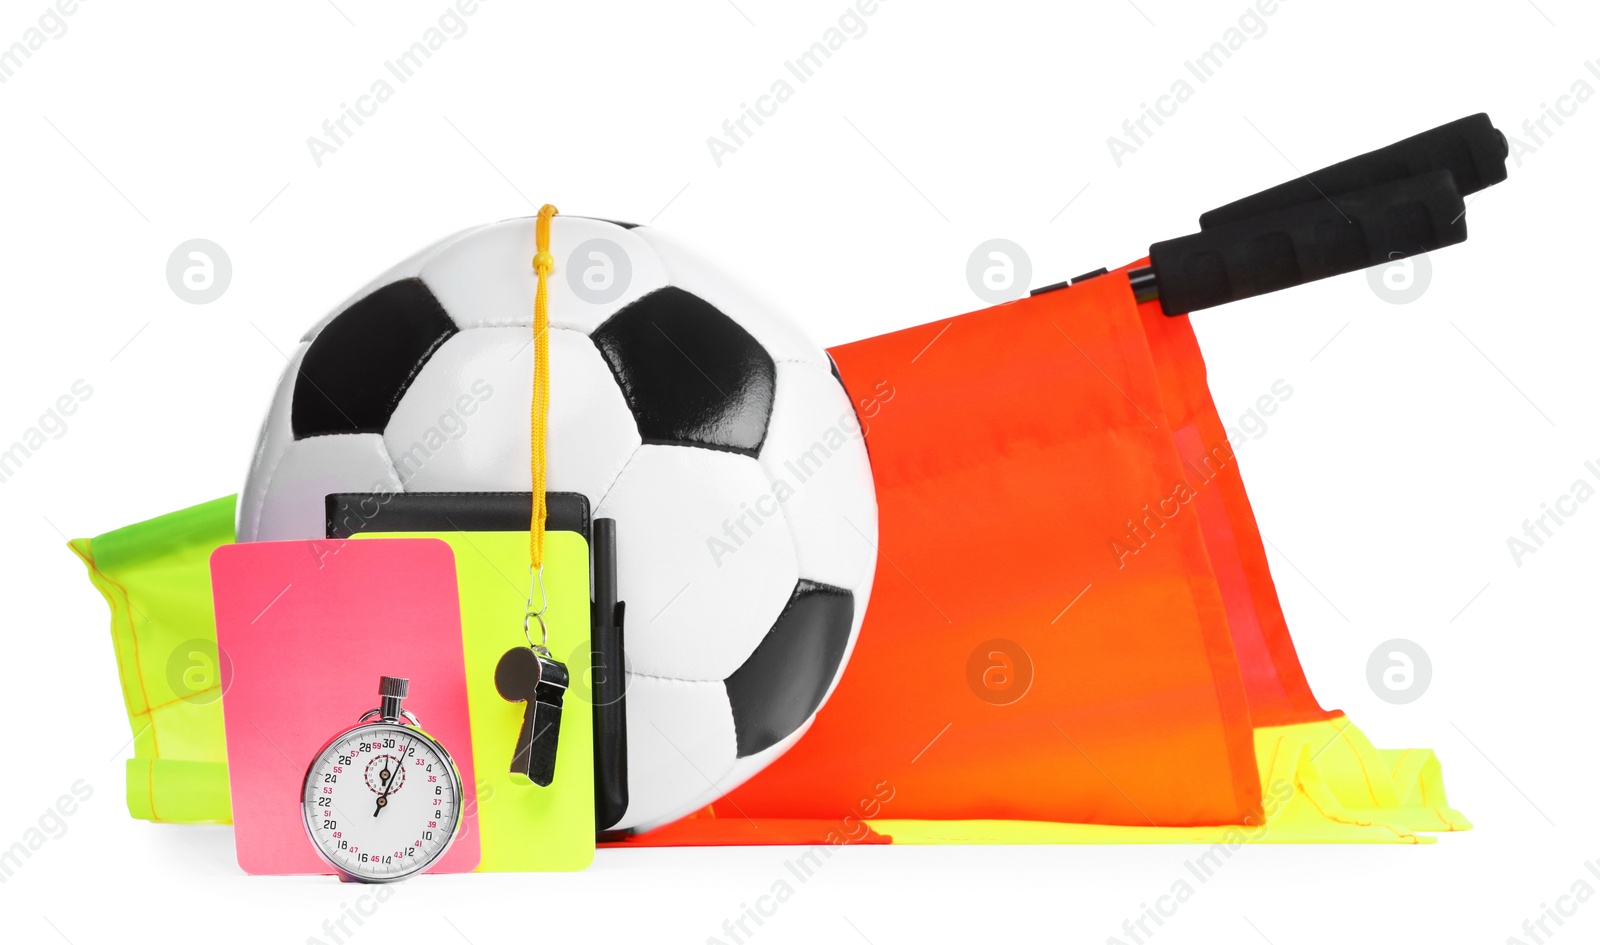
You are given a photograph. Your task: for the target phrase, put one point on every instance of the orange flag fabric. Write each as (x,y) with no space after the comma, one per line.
(1072,619)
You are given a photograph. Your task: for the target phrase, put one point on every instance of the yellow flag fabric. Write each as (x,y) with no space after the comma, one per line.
(156,577)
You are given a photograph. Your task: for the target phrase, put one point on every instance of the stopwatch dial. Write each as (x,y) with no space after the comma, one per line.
(382,801)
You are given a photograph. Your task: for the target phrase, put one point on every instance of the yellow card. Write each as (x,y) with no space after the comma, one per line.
(525,828)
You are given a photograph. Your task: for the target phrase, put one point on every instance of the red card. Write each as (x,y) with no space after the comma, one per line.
(309,627)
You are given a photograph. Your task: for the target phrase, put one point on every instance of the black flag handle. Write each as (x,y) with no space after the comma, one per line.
(1397,201)
(1387,204)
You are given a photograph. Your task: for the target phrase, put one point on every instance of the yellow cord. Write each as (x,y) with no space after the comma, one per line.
(543,264)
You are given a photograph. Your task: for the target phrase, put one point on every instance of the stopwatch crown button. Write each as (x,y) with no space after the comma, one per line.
(396,687)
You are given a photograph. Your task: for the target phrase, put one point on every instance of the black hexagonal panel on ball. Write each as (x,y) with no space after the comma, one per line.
(783,681)
(691,375)
(362,362)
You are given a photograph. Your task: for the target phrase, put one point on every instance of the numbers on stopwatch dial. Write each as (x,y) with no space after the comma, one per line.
(381,801)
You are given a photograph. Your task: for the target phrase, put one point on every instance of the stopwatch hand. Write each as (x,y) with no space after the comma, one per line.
(383,799)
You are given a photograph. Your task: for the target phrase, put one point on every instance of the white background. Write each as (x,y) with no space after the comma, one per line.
(1417,440)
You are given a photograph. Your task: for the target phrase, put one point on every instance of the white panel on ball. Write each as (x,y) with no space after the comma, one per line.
(743,769)
(487,278)
(704,559)
(680,741)
(814,446)
(463,425)
(297,488)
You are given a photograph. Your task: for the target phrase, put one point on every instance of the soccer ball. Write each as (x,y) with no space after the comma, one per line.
(709,427)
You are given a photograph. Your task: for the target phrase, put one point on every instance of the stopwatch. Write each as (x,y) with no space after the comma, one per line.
(382,800)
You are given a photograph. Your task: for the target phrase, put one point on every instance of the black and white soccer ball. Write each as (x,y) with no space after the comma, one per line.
(708,426)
